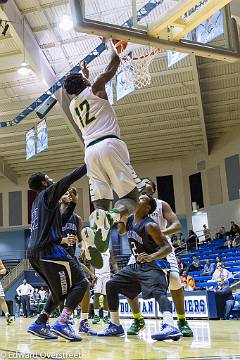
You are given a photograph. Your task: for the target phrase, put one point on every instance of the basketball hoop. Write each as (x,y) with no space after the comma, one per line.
(135,63)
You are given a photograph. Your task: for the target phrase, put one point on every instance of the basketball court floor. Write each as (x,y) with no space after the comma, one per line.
(212,340)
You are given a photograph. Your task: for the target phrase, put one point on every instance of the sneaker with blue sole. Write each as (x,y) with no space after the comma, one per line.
(42,331)
(85,328)
(167,332)
(66,331)
(112,330)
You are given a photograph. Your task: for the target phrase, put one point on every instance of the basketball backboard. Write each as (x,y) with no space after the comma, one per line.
(157,23)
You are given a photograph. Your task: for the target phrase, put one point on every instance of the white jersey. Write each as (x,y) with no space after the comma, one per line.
(105,270)
(94,116)
(157,216)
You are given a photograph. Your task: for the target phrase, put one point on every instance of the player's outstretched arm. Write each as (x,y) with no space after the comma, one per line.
(2,268)
(54,192)
(98,86)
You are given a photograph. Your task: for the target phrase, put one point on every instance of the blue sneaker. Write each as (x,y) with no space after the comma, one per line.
(66,331)
(167,332)
(41,330)
(84,327)
(112,330)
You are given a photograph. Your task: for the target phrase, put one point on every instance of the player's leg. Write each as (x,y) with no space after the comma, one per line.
(4,306)
(126,283)
(138,323)
(177,293)
(97,294)
(154,283)
(84,326)
(106,318)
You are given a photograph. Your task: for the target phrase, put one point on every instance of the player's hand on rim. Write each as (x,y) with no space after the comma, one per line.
(144,258)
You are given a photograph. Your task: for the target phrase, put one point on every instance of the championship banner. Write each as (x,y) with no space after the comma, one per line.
(147,308)
(109,91)
(30,143)
(42,136)
(196,306)
(124,87)
(211,28)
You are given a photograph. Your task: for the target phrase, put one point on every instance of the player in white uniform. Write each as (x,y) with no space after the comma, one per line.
(3,303)
(169,224)
(103,275)
(106,155)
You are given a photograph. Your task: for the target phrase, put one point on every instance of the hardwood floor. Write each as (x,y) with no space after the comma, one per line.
(212,340)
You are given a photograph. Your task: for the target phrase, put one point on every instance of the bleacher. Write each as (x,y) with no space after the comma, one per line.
(10,264)
(230,257)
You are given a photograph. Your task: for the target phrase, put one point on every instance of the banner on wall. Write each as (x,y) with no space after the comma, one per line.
(124,87)
(147,308)
(30,143)
(42,136)
(109,91)
(211,28)
(195,306)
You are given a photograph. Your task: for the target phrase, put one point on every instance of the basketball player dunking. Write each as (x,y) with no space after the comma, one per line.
(106,155)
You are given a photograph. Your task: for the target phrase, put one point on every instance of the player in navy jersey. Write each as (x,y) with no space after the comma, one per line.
(149,274)
(49,259)
(71,231)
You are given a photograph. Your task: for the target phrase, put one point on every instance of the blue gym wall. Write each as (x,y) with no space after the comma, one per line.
(12,245)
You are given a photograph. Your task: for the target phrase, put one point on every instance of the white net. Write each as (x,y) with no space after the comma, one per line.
(135,64)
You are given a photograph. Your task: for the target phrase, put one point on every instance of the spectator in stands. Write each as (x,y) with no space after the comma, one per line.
(221,273)
(208,268)
(227,243)
(192,240)
(195,265)
(221,233)
(236,240)
(25,291)
(181,265)
(218,260)
(42,293)
(224,299)
(234,229)
(207,234)
(187,281)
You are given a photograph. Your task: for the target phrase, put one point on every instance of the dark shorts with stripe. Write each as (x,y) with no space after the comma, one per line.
(58,269)
(147,279)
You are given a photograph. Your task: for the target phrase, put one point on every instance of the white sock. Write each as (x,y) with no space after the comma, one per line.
(105,313)
(115,318)
(168,318)
(96,312)
(84,316)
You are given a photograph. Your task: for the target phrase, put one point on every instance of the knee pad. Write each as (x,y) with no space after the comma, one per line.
(174,281)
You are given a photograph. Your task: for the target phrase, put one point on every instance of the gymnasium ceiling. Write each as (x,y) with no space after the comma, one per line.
(185,109)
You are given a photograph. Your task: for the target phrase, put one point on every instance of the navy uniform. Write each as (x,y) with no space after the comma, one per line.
(51,261)
(149,278)
(71,228)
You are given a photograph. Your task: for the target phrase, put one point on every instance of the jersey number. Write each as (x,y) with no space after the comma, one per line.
(134,248)
(87,120)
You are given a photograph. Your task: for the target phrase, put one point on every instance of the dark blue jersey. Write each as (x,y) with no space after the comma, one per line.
(71,228)
(46,223)
(139,240)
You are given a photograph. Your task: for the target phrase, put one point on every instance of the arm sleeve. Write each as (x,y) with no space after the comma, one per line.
(67,213)
(54,192)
